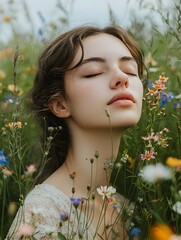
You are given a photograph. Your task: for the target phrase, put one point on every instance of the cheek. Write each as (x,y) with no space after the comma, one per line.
(80,95)
(79,92)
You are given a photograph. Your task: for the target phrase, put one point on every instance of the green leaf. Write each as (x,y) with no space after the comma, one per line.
(61,236)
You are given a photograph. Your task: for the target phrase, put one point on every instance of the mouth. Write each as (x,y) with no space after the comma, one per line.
(124,98)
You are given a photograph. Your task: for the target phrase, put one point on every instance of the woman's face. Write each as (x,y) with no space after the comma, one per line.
(108,79)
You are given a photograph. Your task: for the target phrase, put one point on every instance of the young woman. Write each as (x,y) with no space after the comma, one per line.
(87,82)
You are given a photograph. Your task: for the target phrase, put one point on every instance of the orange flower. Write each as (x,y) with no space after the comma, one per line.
(173,162)
(2,74)
(30,69)
(7,172)
(159,86)
(19,124)
(7,19)
(161,232)
(72,175)
(5,53)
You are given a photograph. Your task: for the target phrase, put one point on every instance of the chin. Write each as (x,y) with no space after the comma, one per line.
(126,121)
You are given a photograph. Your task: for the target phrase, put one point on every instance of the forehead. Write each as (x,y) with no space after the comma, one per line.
(102,45)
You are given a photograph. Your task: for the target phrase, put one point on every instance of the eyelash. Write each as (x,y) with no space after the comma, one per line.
(92,75)
(95,75)
(132,74)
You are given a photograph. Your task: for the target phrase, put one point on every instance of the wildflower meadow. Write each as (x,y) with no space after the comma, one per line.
(148,167)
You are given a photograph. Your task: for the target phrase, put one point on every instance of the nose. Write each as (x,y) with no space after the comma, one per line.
(119,79)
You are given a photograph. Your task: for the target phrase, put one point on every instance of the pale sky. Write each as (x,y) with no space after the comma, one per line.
(83,12)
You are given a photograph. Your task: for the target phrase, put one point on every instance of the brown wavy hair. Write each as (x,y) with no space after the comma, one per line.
(49,82)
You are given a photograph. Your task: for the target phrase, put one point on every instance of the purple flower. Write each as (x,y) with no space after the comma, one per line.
(3,159)
(64,216)
(134,232)
(76,201)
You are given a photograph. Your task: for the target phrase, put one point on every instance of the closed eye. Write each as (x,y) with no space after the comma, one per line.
(132,74)
(92,75)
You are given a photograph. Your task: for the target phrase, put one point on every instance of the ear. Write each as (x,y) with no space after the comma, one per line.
(58,106)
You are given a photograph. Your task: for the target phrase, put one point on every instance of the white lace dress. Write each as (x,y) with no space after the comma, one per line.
(42,208)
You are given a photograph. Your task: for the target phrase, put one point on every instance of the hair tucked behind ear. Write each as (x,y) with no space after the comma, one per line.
(49,83)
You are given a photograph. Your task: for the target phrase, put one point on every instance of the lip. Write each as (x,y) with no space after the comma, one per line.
(124,98)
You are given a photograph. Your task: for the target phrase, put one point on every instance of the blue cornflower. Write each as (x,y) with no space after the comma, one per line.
(76,201)
(165,98)
(3,159)
(10,99)
(134,232)
(64,216)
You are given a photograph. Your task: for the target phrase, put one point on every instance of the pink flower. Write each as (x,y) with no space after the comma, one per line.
(163,79)
(152,92)
(151,137)
(31,169)
(159,85)
(148,155)
(112,202)
(26,229)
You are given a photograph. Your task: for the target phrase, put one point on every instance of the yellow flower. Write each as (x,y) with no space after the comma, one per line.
(131,162)
(173,162)
(12,208)
(15,89)
(14,124)
(2,74)
(30,69)
(10,125)
(161,232)
(19,124)
(21,57)
(53,25)
(7,19)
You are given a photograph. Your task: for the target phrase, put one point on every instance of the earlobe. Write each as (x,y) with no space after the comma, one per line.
(58,106)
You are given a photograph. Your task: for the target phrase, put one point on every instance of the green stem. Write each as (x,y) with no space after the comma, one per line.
(3,205)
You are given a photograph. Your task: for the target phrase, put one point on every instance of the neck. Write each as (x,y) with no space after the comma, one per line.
(89,154)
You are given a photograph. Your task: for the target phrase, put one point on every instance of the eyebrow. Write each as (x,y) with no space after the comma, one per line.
(103,60)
